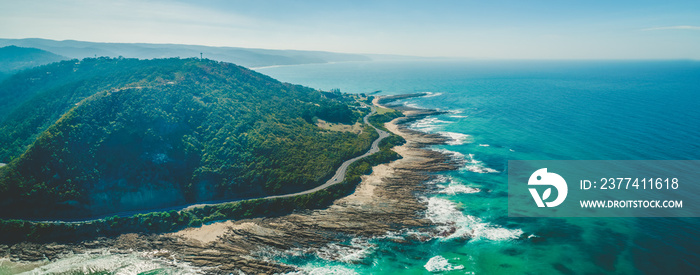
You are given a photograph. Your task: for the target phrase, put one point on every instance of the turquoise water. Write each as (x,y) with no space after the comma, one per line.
(500,111)
(509,110)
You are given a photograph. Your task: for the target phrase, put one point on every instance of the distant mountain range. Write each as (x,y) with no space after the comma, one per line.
(241,56)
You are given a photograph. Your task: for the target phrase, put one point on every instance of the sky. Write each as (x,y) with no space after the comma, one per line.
(524,29)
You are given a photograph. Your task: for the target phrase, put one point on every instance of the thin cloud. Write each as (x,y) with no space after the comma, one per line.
(694,28)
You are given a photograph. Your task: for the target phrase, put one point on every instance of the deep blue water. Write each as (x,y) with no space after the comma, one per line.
(510,110)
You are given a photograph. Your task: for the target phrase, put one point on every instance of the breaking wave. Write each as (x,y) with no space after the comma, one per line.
(456,188)
(102,261)
(311,269)
(477,166)
(358,249)
(457,138)
(439,263)
(455,156)
(411,105)
(468,161)
(447,185)
(455,224)
(428,124)
(431,94)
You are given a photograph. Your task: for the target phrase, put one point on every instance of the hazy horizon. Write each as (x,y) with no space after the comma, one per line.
(541,30)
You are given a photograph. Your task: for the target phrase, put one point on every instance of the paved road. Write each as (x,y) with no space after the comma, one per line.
(337,178)
(339,174)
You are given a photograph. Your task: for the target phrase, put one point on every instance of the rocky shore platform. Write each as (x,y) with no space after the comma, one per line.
(384,201)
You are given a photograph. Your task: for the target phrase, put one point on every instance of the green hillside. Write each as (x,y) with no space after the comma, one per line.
(13,59)
(99,136)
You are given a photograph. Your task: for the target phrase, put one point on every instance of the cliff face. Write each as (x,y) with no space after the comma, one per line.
(102,136)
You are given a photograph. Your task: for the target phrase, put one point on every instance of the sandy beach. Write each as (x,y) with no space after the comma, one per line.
(384,201)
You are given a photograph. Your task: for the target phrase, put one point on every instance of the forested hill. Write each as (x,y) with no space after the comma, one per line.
(99,136)
(13,59)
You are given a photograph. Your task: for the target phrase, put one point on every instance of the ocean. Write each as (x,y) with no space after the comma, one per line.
(526,110)
(498,111)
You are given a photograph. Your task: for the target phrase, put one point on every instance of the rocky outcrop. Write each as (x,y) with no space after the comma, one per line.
(384,201)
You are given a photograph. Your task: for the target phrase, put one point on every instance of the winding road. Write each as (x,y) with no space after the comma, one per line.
(338,177)
(339,174)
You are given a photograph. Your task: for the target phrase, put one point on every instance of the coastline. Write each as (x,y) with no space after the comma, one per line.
(384,201)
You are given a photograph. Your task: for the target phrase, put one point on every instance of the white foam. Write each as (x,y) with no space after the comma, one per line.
(439,263)
(455,224)
(104,261)
(447,185)
(440,179)
(412,105)
(457,138)
(456,113)
(428,124)
(484,145)
(358,249)
(470,163)
(7,266)
(477,166)
(456,188)
(431,94)
(456,156)
(311,269)
(479,169)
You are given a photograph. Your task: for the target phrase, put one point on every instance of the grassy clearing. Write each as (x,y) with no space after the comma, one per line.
(339,127)
(382,110)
